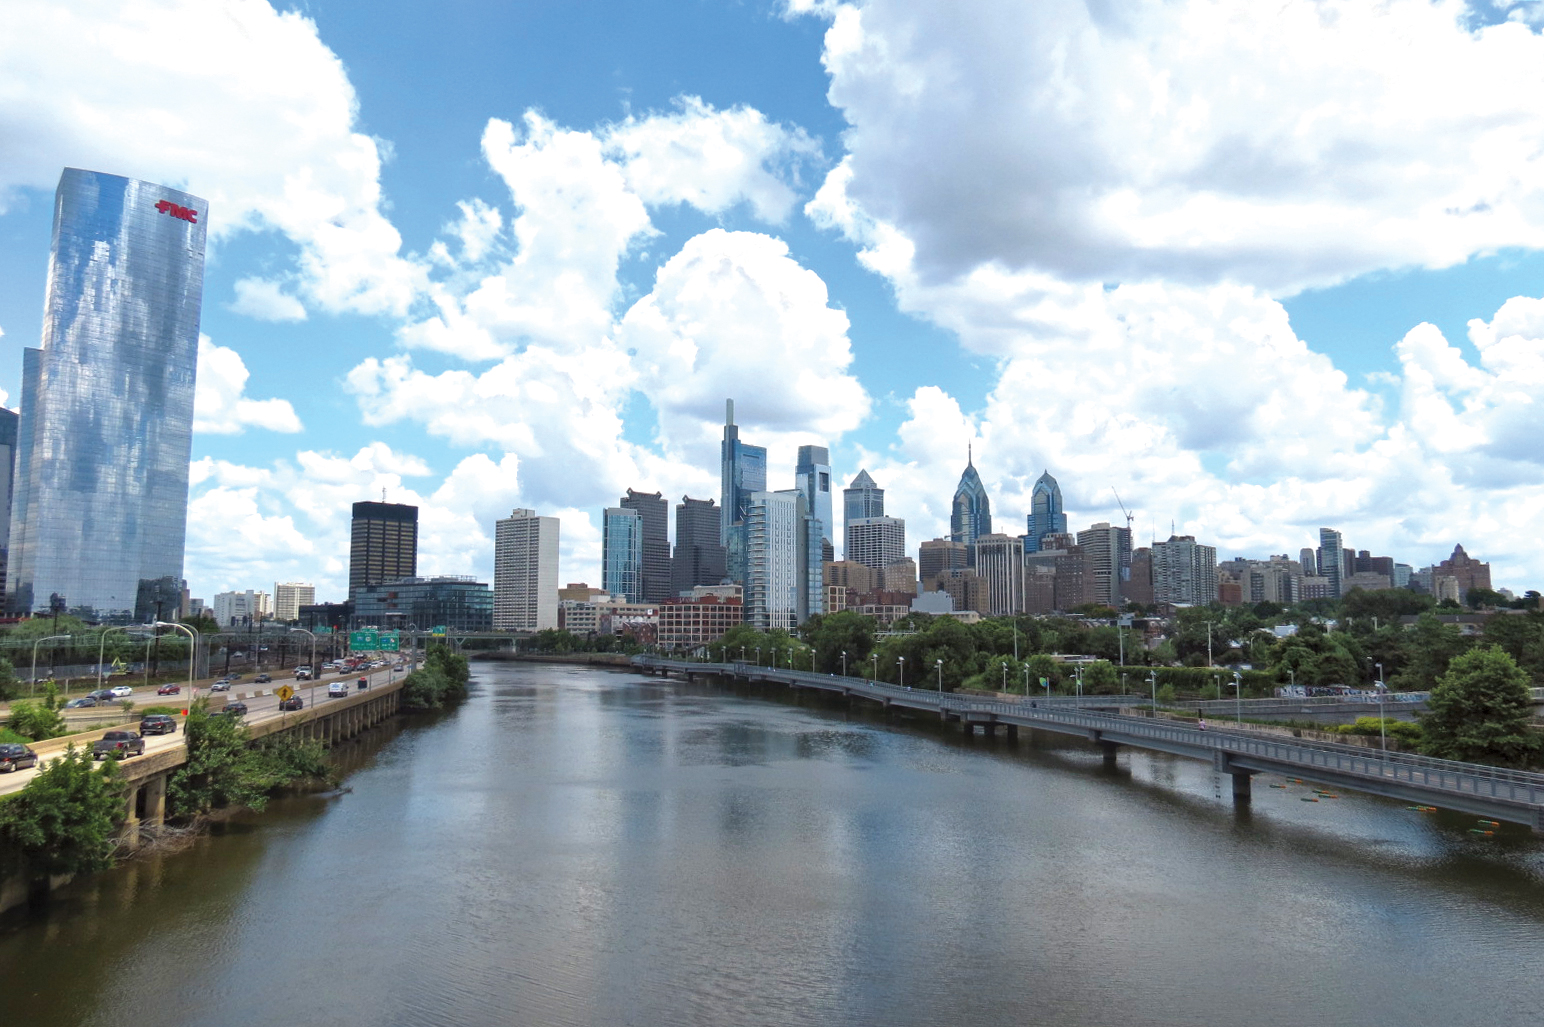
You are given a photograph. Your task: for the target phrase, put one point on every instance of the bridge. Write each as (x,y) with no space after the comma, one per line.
(1493,792)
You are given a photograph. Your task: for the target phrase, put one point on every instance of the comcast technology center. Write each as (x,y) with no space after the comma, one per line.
(107,404)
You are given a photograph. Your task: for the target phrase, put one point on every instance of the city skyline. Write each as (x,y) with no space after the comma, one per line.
(529,282)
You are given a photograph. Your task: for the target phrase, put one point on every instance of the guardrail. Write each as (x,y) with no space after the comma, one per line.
(1441,778)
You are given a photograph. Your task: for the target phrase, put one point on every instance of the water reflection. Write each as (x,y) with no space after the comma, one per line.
(585,847)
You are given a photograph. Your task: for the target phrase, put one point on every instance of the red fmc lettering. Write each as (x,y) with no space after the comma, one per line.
(176,211)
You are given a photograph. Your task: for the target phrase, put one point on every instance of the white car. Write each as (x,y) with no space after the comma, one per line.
(122,691)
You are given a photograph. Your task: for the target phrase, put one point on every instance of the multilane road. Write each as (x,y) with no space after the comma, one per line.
(260,708)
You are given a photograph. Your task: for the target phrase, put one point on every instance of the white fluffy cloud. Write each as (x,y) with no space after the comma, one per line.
(230,99)
(219,404)
(266,301)
(1275,144)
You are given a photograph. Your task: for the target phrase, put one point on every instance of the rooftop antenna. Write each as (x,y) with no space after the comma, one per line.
(383,493)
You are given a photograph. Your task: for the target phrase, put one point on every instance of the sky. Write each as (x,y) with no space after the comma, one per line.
(1256,269)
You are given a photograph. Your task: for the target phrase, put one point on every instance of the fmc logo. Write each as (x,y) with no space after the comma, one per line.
(185,213)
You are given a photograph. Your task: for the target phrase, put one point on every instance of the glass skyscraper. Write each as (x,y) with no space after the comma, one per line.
(971,514)
(1046,516)
(812,475)
(743,473)
(621,553)
(107,404)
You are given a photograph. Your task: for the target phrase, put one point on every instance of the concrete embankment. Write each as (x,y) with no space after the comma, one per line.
(584,659)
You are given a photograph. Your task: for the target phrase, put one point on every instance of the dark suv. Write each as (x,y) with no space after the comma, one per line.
(157,724)
(13,757)
(294,702)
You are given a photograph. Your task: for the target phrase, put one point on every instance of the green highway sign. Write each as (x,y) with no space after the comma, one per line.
(370,639)
(388,642)
(438,632)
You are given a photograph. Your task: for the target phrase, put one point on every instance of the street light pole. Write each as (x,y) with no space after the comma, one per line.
(1152,681)
(902,661)
(874,679)
(33,684)
(314,668)
(844,663)
(940,664)
(192,649)
(1238,697)
(1383,738)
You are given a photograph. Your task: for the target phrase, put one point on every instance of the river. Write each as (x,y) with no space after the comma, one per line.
(578,846)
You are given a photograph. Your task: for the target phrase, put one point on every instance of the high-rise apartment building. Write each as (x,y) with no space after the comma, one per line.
(383,544)
(812,476)
(1058,575)
(700,558)
(525,572)
(743,472)
(238,609)
(621,553)
(876,542)
(655,511)
(106,425)
(782,561)
(1184,572)
(289,597)
(1108,551)
(1000,566)
(1332,559)
(971,513)
(1046,515)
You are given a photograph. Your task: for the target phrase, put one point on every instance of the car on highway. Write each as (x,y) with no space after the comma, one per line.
(84,702)
(221,685)
(169,690)
(235,709)
(157,724)
(101,695)
(262,679)
(337,690)
(14,756)
(294,702)
(118,745)
(302,673)
(121,691)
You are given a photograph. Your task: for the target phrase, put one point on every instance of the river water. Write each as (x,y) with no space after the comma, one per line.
(583,847)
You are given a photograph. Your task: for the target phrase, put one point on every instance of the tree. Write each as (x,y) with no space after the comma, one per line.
(1099,678)
(36,721)
(833,634)
(62,822)
(212,777)
(1479,712)
(440,682)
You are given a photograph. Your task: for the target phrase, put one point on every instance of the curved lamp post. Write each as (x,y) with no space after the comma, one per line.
(102,646)
(844,663)
(192,649)
(33,684)
(874,680)
(1238,697)
(314,667)
(940,665)
(901,662)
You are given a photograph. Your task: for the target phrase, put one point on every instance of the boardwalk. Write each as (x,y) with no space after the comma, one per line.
(1515,796)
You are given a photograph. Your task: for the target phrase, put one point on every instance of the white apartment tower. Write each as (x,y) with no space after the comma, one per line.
(525,572)
(289,597)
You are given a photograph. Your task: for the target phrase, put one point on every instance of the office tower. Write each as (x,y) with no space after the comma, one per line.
(1140,588)
(383,544)
(935,556)
(1046,514)
(862,498)
(971,515)
(1465,570)
(1000,566)
(876,542)
(700,558)
(655,511)
(743,471)
(782,561)
(621,553)
(455,603)
(1310,561)
(8,425)
(289,597)
(1184,572)
(525,572)
(812,476)
(1332,559)
(900,576)
(1108,550)
(1058,575)
(855,577)
(106,424)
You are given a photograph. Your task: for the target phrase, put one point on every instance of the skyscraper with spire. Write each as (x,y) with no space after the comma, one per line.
(971,516)
(743,473)
(861,500)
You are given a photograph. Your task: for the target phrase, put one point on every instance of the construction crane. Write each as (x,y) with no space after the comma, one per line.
(1129,516)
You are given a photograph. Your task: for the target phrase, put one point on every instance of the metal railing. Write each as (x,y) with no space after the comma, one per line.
(1427,772)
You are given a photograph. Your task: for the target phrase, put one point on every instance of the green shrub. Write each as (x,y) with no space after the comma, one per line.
(35,721)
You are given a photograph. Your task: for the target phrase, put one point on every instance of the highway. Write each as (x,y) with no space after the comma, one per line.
(259,709)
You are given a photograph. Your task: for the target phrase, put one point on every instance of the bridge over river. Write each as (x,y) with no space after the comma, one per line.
(1510,795)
